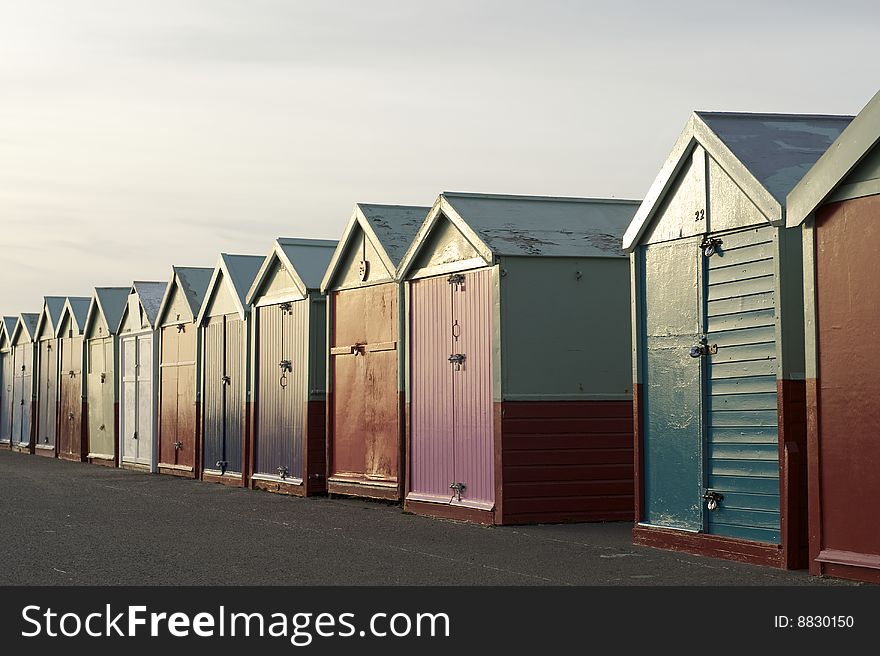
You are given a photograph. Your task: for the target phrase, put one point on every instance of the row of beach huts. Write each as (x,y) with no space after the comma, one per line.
(702,361)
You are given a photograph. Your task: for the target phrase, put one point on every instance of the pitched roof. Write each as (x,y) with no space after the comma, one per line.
(26,321)
(506,225)
(7,326)
(833,167)
(765,154)
(390,228)
(305,259)
(238,272)
(193,282)
(51,312)
(110,302)
(150,294)
(78,308)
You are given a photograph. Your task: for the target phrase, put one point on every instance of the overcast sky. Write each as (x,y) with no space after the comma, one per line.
(138,134)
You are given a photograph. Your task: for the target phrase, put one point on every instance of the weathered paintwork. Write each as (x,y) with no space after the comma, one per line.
(536,423)
(837,205)
(102,373)
(365,435)
(289,368)
(47,388)
(7,379)
(138,383)
(23,363)
(179,346)
(72,436)
(224,320)
(729,422)
(364,445)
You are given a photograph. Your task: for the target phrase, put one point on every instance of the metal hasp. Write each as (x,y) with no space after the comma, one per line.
(457,489)
(221,465)
(703,348)
(225,380)
(286,366)
(712,499)
(709,245)
(457,359)
(282,471)
(456,279)
(736,422)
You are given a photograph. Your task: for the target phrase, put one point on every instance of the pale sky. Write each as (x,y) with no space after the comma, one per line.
(137,134)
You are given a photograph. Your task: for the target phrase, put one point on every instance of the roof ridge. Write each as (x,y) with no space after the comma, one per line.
(566,199)
(702,112)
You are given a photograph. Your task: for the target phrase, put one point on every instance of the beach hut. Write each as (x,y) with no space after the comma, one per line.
(719,340)
(365,383)
(518,360)
(102,379)
(46,415)
(24,356)
(7,380)
(72,428)
(224,320)
(287,440)
(838,205)
(138,382)
(179,371)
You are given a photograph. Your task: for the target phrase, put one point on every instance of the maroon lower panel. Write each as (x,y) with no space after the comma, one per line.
(315,476)
(792,407)
(567,461)
(715,546)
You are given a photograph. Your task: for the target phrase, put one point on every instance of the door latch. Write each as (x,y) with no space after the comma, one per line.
(69,416)
(103,377)
(457,489)
(221,465)
(282,472)
(358,349)
(178,446)
(225,380)
(703,348)
(286,366)
(456,279)
(457,359)
(71,374)
(712,499)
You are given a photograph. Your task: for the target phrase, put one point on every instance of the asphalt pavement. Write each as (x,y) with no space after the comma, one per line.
(64,523)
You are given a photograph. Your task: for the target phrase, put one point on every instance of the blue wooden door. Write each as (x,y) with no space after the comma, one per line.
(672,385)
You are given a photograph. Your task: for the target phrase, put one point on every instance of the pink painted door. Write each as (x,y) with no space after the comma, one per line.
(431,439)
(451,435)
(472,389)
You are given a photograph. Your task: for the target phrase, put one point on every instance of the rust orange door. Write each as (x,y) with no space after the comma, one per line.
(177,427)
(365,443)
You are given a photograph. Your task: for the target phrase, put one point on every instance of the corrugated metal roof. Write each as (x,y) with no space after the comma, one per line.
(112,302)
(778,149)
(309,258)
(545,226)
(150,294)
(860,137)
(242,270)
(395,226)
